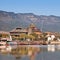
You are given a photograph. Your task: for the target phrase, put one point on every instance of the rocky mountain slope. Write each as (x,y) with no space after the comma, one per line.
(11,20)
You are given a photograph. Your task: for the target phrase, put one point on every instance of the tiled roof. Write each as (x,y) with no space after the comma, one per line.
(19,30)
(4,32)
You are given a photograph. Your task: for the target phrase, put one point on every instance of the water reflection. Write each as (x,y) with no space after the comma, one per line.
(22,52)
(51,48)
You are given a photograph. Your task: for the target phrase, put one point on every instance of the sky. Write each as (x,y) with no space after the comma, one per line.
(38,7)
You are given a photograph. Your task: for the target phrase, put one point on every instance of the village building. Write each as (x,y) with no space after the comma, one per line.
(15,33)
(5,36)
(33,29)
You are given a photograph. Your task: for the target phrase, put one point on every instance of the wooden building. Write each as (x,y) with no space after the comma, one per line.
(15,33)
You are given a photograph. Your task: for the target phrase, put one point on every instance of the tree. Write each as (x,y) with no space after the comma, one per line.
(43,36)
(35,35)
(23,36)
(31,37)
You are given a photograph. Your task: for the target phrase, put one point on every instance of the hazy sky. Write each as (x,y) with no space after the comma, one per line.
(39,7)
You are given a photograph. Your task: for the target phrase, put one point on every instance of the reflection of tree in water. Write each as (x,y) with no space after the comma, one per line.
(33,52)
(18,57)
(23,51)
(19,52)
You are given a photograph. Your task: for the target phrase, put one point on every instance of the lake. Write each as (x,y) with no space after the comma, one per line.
(30,52)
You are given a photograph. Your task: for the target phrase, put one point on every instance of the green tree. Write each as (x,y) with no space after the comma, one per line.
(43,36)
(35,35)
(23,36)
(31,37)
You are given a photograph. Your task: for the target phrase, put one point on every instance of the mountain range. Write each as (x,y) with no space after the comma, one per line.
(11,20)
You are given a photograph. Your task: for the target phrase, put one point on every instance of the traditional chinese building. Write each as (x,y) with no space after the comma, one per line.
(33,29)
(17,32)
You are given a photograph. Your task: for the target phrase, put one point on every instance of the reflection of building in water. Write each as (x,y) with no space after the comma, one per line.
(32,52)
(21,51)
(5,50)
(51,48)
(58,47)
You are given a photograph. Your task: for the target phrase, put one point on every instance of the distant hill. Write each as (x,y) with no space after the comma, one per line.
(11,20)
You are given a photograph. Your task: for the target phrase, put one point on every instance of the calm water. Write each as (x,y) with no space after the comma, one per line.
(30,52)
